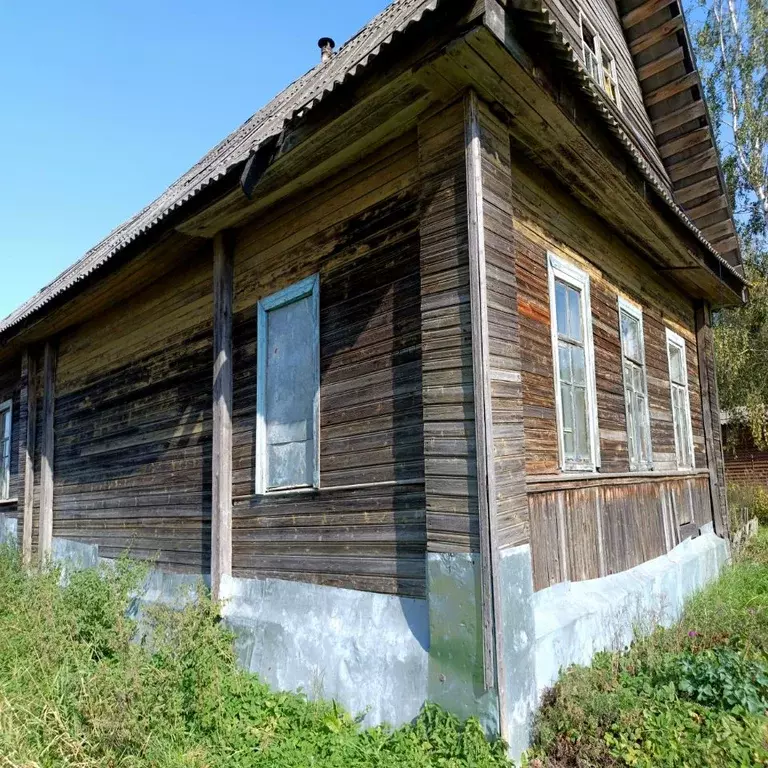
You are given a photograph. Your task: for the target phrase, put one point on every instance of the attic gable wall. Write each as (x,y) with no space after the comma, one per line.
(603,18)
(663,55)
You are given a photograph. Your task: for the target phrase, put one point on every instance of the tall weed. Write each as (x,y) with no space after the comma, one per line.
(81,687)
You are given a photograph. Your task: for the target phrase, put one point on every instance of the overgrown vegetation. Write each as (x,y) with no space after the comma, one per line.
(76,691)
(693,695)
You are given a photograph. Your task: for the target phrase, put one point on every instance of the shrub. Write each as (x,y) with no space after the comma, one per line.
(692,695)
(75,691)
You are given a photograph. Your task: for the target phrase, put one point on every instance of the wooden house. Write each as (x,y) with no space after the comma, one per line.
(422,346)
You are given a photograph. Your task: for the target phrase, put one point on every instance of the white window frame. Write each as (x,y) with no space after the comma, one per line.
(310,286)
(6,412)
(677,340)
(569,273)
(635,311)
(598,52)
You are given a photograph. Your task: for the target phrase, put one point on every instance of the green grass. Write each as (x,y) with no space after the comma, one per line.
(76,691)
(693,695)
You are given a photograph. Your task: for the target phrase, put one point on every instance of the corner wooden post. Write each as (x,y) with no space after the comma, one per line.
(710,405)
(493,652)
(47,452)
(27,452)
(221,509)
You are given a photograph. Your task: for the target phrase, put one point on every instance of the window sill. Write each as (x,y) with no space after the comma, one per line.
(8,502)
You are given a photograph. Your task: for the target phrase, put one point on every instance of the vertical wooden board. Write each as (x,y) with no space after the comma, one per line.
(47,449)
(582,534)
(28,427)
(545,541)
(710,408)
(221,485)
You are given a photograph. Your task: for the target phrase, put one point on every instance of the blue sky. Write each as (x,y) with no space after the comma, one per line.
(104,104)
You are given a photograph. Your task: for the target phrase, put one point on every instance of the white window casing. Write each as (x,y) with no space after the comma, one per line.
(574,366)
(599,61)
(635,379)
(6,419)
(288,389)
(680,400)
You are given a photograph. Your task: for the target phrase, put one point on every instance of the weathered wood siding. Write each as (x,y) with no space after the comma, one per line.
(10,389)
(365,527)
(546,219)
(584,527)
(449,421)
(132,466)
(585,530)
(603,18)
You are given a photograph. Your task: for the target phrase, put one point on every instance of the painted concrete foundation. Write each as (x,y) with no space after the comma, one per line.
(384,656)
(576,620)
(366,650)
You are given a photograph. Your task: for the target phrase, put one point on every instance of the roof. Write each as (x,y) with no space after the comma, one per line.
(302,95)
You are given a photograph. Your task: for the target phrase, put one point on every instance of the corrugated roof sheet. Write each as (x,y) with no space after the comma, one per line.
(300,96)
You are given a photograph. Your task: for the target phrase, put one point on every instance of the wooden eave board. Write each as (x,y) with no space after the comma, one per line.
(554,141)
(657,36)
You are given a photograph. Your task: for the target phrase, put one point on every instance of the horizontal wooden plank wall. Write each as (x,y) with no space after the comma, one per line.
(603,17)
(504,333)
(365,527)
(11,385)
(546,219)
(590,526)
(133,424)
(450,456)
(608,526)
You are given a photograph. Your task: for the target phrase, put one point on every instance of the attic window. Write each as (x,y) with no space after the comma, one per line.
(590,52)
(600,63)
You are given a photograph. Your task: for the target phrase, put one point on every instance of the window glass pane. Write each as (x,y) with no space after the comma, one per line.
(676,363)
(561,308)
(290,394)
(578,363)
(630,337)
(564,352)
(574,313)
(581,427)
(566,398)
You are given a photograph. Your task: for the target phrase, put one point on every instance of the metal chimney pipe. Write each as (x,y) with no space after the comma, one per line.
(326,46)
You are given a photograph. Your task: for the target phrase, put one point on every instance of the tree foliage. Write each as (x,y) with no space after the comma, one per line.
(731,42)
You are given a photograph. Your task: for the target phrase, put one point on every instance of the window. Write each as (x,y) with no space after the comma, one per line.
(600,63)
(288,389)
(608,75)
(681,405)
(635,385)
(6,413)
(590,52)
(574,365)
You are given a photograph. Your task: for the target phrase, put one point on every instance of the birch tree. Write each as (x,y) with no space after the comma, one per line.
(731,42)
